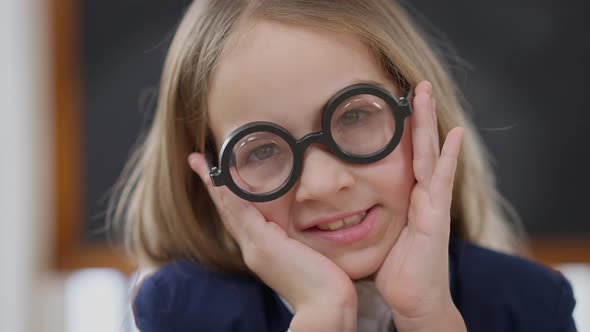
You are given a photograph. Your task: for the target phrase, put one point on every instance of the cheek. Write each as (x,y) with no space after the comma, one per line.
(393,177)
(276,211)
(394,184)
(403,157)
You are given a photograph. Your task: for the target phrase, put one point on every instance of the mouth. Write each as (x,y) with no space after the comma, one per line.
(343,223)
(346,230)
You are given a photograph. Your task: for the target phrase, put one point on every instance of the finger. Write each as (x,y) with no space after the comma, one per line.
(239,216)
(422,135)
(441,186)
(423,86)
(198,164)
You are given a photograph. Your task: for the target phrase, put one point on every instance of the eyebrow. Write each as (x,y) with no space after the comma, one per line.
(356,81)
(381,85)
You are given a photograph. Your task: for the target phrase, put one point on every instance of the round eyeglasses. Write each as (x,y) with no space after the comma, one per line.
(261,161)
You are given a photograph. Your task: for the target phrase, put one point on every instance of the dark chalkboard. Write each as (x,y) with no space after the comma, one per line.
(525,79)
(124,44)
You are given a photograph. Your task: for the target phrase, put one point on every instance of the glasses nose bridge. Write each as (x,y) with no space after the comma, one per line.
(309,139)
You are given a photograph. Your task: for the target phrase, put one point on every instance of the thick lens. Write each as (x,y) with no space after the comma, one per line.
(262,162)
(363,125)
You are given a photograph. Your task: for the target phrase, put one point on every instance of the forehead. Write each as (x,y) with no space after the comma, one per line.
(285,74)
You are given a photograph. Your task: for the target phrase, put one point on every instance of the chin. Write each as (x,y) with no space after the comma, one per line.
(360,267)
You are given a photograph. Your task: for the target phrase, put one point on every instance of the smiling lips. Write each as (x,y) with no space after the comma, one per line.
(344,222)
(344,229)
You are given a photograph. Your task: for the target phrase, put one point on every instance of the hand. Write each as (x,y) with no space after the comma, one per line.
(414,277)
(309,281)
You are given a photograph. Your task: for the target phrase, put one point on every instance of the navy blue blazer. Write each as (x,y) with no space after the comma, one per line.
(494,292)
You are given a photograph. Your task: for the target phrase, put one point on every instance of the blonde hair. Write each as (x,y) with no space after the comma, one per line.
(163,207)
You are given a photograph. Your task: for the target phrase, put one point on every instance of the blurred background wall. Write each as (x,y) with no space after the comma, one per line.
(30,291)
(78,81)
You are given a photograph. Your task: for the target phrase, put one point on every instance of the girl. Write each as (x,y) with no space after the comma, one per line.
(298,175)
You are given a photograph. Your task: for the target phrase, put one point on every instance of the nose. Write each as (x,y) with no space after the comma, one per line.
(323,175)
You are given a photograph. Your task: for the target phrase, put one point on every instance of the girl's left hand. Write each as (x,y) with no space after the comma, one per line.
(414,277)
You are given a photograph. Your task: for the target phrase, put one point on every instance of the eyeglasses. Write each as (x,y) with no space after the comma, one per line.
(261,161)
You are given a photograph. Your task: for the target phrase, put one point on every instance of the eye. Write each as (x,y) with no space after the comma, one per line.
(352,117)
(263,152)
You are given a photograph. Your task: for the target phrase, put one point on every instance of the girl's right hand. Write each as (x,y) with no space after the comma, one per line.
(319,291)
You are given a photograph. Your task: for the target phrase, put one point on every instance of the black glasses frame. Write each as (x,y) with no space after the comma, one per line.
(220,174)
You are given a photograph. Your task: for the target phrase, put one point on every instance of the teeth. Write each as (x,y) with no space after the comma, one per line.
(335,225)
(343,223)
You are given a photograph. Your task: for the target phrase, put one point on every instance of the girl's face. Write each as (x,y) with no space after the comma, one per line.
(285,74)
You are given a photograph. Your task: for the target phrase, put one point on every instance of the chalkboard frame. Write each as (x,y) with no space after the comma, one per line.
(71,251)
